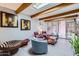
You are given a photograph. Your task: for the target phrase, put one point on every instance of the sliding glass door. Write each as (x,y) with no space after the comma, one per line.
(70,28)
(77,26)
(62,29)
(55,28)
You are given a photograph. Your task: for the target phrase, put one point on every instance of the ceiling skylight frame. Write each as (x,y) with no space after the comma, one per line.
(40,5)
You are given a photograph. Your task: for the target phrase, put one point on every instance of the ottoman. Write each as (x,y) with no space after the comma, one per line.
(39,47)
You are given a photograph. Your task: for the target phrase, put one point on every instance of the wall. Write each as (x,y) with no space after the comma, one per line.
(14,33)
(7,34)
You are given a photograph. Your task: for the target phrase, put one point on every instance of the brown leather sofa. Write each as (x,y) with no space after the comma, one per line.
(11,47)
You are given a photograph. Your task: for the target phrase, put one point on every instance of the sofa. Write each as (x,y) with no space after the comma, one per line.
(11,47)
(51,39)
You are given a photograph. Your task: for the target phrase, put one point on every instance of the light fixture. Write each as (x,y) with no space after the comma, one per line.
(40,5)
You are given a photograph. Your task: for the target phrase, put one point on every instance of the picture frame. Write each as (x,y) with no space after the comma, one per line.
(25,24)
(8,20)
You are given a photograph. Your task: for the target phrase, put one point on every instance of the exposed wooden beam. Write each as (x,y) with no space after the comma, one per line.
(22,7)
(62,5)
(70,16)
(48,20)
(61,14)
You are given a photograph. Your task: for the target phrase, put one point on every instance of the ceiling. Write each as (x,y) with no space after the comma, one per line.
(65,9)
(31,10)
(12,6)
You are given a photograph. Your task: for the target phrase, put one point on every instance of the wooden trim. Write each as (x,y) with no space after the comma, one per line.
(70,16)
(61,14)
(62,5)
(48,20)
(62,17)
(22,7)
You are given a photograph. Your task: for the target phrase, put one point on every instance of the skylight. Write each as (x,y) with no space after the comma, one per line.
(40,5)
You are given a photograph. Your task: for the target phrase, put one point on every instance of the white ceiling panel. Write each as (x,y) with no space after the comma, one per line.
(12,6)
(69,8)
(32,10)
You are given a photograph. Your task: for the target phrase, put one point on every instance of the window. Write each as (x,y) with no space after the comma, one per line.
(40,5)
(70,28)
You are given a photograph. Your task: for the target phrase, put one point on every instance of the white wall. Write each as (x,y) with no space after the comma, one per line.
(7,34)
(15,33)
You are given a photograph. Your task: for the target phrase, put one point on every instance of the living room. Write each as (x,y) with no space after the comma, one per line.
(23,27)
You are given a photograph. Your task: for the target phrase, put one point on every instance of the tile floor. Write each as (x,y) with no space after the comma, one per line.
(61,48)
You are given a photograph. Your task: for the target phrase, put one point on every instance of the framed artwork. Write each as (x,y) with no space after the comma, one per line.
(25,24)
(9,20)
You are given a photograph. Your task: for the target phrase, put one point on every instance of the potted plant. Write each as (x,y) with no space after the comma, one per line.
(75,44)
